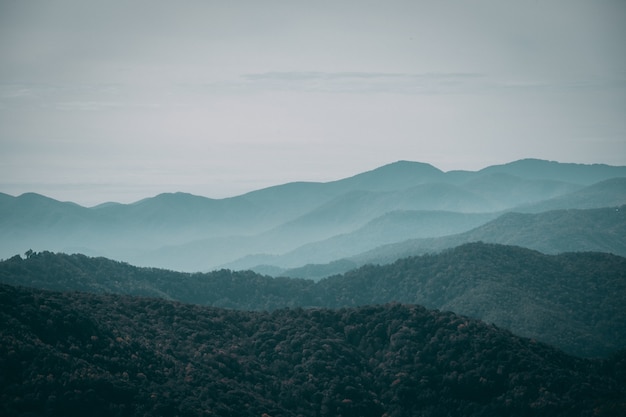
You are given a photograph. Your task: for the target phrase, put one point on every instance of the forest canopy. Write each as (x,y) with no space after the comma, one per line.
(73,354)
(573,301)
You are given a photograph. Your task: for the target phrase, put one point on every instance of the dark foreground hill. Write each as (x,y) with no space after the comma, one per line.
(574,301)
(76,354)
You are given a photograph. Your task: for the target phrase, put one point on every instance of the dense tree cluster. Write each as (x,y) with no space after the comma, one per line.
(574,301)
(77,354)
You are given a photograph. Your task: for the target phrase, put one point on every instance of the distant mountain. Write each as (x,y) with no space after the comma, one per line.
(572,301)
(600,230)
(388,228)
(504,191)
(607,193)
(392,177)
(557,231)
(330,231)
(557,171)
(193,233)
(101,355)
(31,211)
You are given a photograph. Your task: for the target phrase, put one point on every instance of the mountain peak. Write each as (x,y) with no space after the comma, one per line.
(409,166)
(173,198)
(394,176)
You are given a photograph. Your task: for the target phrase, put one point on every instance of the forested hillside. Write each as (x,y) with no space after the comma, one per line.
(574,301)
(76,354)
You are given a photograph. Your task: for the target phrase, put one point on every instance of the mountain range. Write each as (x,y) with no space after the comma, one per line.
(555,231)
(574,301)
(297,224)
(400,291)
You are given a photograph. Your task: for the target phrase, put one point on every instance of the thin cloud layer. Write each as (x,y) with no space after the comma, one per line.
(367,82)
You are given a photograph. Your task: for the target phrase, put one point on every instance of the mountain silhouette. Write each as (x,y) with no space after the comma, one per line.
(551,232)
(193,233)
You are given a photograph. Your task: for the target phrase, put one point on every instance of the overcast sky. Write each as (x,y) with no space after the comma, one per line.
(120,100)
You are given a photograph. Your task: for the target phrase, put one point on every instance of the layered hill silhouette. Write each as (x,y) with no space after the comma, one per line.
(551,232)
(192,233)
(110,355)
(574,301)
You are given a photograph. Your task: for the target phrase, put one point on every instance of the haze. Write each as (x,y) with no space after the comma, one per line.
(117,101)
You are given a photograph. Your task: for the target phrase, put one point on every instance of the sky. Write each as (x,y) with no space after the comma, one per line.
(120,100)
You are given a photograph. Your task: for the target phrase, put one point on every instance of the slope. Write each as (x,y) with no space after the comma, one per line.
(183,231)
(340,215)
(105,355)
(601,230)
(324,233)
(583,174)
(573,301)
(393,226)
(607,193)
(504,191)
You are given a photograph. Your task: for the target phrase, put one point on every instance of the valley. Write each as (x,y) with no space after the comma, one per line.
(495,292)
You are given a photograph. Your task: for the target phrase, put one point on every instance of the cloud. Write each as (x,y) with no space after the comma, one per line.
(88,105)
(429,83)
(367,82)
(305,75)
(79,97)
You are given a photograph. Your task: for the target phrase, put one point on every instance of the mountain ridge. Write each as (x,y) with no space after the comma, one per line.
(534,168)
(523,168)
(182,230)
(551,232)
(571,220)
(517,288)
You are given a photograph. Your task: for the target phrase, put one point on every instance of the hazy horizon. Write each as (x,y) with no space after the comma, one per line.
(118,101)
(98,202)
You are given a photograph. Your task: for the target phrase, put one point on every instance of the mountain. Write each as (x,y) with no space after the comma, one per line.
(607,193)
(328,232)
(557,171)
(516,288)
(110,355)
(601,230)
(504,191)
(194,233)
(388,228)
(573,301)
(392,177)
(31,211)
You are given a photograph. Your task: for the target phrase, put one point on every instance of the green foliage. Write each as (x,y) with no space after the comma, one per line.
(109,355)
(573,301)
